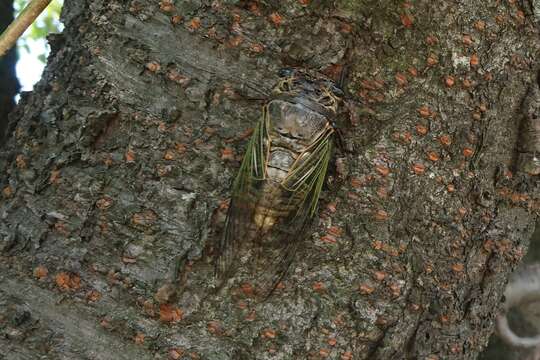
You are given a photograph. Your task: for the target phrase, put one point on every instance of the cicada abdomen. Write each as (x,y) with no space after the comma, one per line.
(276,191)
(529,144)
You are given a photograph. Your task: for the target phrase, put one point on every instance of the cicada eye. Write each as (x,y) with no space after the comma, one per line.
(286,72)
(337,91)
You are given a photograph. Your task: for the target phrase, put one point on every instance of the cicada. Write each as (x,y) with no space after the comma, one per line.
(277,188)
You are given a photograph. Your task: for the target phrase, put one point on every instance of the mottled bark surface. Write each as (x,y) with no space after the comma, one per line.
(121,160)
(9,85)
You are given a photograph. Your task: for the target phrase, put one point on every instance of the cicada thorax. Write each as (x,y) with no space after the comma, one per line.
(294,130)
(277,189)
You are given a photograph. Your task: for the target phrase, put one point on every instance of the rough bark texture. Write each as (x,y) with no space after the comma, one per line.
(120,161)
(9,85)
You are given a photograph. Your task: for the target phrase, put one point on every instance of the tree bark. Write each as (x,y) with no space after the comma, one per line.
(120,162)
(9,86)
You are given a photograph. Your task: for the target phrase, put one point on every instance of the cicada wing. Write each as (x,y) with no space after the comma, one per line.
(303,184)
(251,174)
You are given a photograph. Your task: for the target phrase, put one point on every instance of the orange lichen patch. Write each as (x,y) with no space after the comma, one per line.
(520,16)
(144,218)
(104,203)
(329,239)
(347,355)
(175,353)
(130,156)
(319,287)
(247,289)
(377,245)
(166,6)
(304,2)
(404,138)
(373,84)
(466,83)
(482,107)
(445,140)
(195,23)
(178,78)
(413,71)
(406,20)
(66,281)
(431,40)
(395,288)
(401,79)
(366,289)
(381,215)
(421,129)
(418,168)
(457,267)
(180,148)
(379,275)
(253,6)
(227,154)
(335,230)
(332,341)
(450,188)
(276,19)
(462,211)
(499,19)
(331,207)
(269,334)
(153,66)
(20,161)
(467,40)
(444,319)
(256,48)
(61,228)
(41,272)
(424,111)
(169,313)
(518,197)
(139,338)
(476,115)
(324,353)
(345,28)
(214,327)
(54,178)
(432,60)
(176,19)
(433,156)
(93,295)
(474,60)
(382,170)
(356,183)
(449,81)
(235,41)
(468,152)
(480,25)
(7,192)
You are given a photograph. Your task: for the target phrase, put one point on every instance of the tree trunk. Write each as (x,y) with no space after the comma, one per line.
(9,85)
(120,162)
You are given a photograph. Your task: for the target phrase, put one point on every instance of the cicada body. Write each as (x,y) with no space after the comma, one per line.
(276,191)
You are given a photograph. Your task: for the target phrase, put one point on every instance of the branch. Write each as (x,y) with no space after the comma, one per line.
(20,24)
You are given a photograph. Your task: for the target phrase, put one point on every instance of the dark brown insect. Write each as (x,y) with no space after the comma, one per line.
(276,191)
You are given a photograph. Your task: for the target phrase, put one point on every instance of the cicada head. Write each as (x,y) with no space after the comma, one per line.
(299,84)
